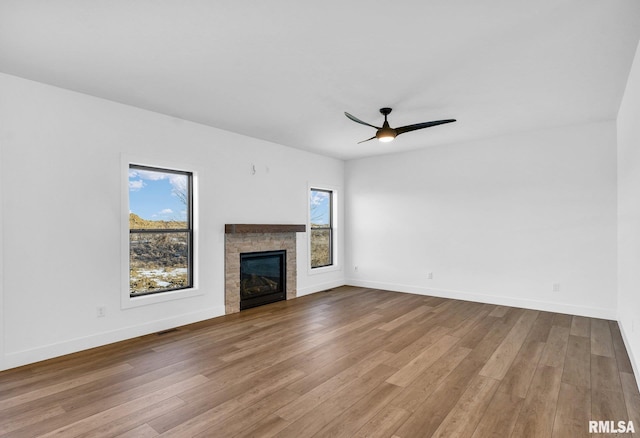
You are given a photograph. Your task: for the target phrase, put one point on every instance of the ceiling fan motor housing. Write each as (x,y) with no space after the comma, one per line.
(386,133)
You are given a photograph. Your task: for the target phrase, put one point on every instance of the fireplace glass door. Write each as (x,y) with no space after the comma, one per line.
(262,278)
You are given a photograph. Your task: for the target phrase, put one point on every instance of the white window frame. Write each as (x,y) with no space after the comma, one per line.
(126,300)
(335,227)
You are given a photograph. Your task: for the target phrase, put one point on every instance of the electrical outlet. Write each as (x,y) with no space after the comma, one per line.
(430,275)
(101,311)
(556,287)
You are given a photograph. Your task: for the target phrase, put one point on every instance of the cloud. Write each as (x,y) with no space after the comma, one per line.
(178,181)
(136,185)
(318,198)
(179,186)
(166,211)
(148,174)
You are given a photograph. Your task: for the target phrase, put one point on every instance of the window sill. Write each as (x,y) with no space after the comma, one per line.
(323,269)
(129,302)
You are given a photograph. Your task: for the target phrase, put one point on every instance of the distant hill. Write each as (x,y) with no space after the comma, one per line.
(136,223)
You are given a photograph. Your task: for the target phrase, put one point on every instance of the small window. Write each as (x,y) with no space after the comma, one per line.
(160,230)
(321,225)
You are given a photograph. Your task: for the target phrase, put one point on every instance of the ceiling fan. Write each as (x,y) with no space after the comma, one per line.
(385,133)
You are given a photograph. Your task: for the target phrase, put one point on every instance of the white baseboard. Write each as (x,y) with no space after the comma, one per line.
(24,357)
(319,287)
(632,358)
(546,306)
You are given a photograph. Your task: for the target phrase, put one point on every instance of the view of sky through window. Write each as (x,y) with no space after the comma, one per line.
(320,207)
(157,196)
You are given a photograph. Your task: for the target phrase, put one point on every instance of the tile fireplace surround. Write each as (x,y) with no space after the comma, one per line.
(241,238)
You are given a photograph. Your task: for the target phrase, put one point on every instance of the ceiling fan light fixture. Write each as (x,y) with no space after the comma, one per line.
(385,136)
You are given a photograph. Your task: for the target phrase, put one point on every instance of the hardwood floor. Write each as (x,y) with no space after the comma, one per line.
(349,362)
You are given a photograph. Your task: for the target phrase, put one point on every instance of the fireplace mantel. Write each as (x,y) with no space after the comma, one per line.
(263,228)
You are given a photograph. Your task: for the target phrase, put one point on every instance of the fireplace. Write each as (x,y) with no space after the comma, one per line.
(262,278)
(254,238)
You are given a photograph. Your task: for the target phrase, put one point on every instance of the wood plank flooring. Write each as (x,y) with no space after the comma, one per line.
(349,362)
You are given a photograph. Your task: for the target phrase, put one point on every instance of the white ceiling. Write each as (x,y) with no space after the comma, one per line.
(286,70)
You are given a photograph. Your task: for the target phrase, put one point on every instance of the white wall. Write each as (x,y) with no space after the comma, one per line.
(2,140)
(61,214)
(629,215)
(498,220)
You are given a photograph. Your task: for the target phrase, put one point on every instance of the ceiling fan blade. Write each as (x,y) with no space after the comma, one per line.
(357,120)
(408,128)
(367,139)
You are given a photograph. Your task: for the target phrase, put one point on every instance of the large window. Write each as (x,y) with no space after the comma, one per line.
(321,224)
(160,230)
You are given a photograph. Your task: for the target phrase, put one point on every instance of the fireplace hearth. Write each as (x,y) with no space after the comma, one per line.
(262,278)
